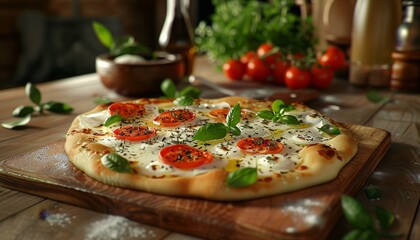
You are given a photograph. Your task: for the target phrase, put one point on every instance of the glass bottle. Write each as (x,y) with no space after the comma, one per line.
(177,34)
(405,74)
(373,39)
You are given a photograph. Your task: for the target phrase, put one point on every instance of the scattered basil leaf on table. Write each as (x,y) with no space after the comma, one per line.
(372,192)
(34,94)
(357,215)
(113,119)
(242,177)
(385,217)
(117,163)
(330,129)
(361,234)
(375,97)
(22,111)
(18,123)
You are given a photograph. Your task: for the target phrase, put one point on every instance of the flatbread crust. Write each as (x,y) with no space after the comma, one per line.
(320,163)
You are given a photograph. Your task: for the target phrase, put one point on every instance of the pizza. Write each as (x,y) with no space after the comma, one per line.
(224,149)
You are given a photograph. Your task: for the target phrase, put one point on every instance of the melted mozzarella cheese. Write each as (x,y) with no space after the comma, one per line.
(225,152)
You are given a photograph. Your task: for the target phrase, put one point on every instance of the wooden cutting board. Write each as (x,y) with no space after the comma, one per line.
(306,214)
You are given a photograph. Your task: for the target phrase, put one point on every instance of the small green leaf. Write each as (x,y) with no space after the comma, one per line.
(21,122)
(277,105)
(33,93)
(286,108)
(235,130)
(385,217)
(22,111)
(57,107)
(265,114)
(184,101)
(355,213)
(210,131)
(376,97)
(361,234)
(117,163)
(102,100)
(242,177)
(234,116)
(103,34)
(113,119)
(190,91)
(372,192)
(168,88)
(330,129)
(287,119)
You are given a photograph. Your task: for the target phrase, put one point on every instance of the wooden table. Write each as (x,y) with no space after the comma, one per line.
(25,216)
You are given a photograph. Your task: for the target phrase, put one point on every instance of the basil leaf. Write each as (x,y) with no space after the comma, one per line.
(277,105)
(113,119)
(330,129)
(117,163)
(286,108)
(103,34)
(265,114)
(385,217)
(372,192)
(355,213)
(190,91)
(287,119)
(210,131)
(33,93)
(234,116)
(57,107)
(22,111)
(242,177)
(361,234)
(376,97)
(21,122)
(168,88)
(184,101)
(102,101)
(235,130)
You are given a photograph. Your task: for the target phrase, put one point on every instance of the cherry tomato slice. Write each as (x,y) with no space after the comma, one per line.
(173,118)
(220,114)
(253,145)
(126,110)
(184,157)
(134,133)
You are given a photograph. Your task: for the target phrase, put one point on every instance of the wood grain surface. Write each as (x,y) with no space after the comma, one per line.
(304,214)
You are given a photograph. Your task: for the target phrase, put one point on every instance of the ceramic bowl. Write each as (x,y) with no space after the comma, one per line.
(140,79)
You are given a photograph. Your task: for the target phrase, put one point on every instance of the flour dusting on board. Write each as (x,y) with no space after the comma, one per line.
(116,227)
(305,211)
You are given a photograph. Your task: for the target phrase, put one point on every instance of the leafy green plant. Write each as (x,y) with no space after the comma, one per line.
(24,112)
(277,113)
(119,46)
(184,97)
(366,226)
(239,26)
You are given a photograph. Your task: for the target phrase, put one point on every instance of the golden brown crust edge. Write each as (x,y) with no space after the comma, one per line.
(320,164)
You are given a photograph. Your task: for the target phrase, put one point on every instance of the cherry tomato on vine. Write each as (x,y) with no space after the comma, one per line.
(334,57)
(234,69)
(279,72)
(258,70)
(184,157)
(321,77)
(297,78)
(248,56)
(265,51)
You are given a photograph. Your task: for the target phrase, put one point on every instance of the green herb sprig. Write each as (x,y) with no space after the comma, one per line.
(184,97)
(278,113)
(212,131)
(119,46)
(330,129)
(24,112)
(364,223)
